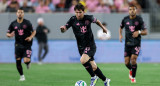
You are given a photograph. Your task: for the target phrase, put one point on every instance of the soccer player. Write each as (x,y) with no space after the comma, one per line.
(81,25)
(23,31)
(134,28)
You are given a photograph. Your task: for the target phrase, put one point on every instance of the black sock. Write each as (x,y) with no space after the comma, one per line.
(19,67)
(134,69)
(99,73)
(129,66)
(88,67)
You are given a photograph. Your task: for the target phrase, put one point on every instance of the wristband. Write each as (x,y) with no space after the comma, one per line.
(139,31)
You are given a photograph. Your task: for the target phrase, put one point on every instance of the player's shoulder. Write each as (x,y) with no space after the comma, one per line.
(26,20)
(73,17)
(139,17)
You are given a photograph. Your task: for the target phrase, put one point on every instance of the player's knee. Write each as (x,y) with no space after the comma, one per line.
(26,60)
(133,61)
(94,67)
(18,58)
(127,62)
(82,60)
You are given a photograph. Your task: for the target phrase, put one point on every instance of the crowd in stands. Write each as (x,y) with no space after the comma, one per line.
(50,6)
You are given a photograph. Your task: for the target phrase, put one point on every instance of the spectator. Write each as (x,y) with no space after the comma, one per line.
(3,6)
(91,5)
(41,35)
(124,7)
(118,4)
(102,8)
(13,6)
(74,3)
(61,6)
(42,8)
(83,2)
(55,2)
(27,8)
(50,5)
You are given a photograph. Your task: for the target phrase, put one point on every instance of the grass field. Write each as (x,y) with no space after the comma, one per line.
(68,74)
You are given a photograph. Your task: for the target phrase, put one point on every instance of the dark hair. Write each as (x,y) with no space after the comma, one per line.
(20,8)
(132,5)
(79,6)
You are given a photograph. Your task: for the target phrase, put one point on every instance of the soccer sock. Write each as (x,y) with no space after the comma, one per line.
(129,66)
(88,67)
(19,67)
(134,69)
(99,73)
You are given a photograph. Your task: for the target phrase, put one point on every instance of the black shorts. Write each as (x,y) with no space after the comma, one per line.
(129,50)
(22,51)
(90,51)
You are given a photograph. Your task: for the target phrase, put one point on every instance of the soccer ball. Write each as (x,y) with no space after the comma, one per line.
(103,36)
(80,83)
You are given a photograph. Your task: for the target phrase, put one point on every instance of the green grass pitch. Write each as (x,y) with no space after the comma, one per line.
(148,74)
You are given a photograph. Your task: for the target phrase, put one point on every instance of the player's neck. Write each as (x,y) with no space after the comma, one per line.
(19,20)
(132,17)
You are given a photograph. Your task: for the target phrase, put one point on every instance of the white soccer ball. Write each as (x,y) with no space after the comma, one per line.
(80,83)
(103,36)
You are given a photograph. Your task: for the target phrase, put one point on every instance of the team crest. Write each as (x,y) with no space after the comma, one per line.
(136,23)
(87,22)
(24,26)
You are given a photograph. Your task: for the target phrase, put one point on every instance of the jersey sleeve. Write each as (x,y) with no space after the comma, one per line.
(122,24)
(92,19)
(142,24)
(69,23)
(10,28)
(30,27)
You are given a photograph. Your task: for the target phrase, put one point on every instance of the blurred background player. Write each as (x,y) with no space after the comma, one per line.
(134,28)
(23,31)
(103,36)
(81,25)
(41,35)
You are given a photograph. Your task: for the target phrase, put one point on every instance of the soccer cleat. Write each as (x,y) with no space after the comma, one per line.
(28,66)
(133,80)
(94,80)
(107,82)
(130,74)
(22,78)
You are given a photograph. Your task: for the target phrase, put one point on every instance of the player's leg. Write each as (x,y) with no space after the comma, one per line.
(85,61)
(99,73)
(45,50)
(128,65)
(134,67)
(20,69)
(127,55)
(27,56)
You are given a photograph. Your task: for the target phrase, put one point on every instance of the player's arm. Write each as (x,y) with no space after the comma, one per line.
(10,32)
(67,26)
(100,24)
(33,32)
(31,36)
(142,31)
(120,34)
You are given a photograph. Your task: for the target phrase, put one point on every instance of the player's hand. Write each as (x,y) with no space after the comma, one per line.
(45,30)
(120,38)
(28,39)
(63,29)
(135,34)
(10,34)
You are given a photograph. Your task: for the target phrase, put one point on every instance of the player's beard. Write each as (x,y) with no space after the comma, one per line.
(19,18)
